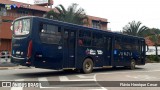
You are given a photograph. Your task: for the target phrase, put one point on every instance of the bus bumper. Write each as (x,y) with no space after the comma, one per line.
(20,61)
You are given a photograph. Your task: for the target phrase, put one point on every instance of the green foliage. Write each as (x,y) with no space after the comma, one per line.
(152,31)
(134,28)
(152,59)
(71,14)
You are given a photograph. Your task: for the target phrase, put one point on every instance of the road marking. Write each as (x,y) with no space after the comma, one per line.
(156,70)
(131,76)
(98,89)
(142,77)
(17,88)
(65,78)
(119,73)
(102,88)
(42,79)
(127,72)
(84,76)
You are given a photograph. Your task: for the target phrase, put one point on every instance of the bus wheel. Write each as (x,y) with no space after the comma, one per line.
(133,64)
(87,66)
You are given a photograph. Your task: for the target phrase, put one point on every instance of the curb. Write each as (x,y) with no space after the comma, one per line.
(3,68)
(17,67)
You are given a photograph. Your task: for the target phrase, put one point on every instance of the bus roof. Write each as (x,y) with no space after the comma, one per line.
(78,26)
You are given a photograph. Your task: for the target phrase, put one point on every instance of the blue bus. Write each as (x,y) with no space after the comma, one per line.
(51,44)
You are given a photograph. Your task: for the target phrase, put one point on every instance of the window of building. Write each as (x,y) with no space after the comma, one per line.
(6,20)
(23,12)
(96,24)
(3,11)
(50,34)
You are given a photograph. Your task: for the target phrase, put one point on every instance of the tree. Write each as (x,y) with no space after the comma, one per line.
(135,28)
(71,15)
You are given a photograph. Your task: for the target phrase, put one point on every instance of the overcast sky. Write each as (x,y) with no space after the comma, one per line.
(118,12)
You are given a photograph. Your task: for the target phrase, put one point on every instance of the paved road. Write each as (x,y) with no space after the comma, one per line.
(100,79)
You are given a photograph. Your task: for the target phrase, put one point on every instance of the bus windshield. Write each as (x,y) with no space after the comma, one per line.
(21,27)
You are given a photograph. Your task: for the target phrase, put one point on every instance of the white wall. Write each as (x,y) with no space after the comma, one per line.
(152,50)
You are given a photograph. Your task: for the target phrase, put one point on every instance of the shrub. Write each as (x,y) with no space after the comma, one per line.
(152,58)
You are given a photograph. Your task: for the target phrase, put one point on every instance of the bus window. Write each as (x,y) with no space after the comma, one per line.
(98,40)
(66,35)
(107,42)
(84,38)
(80,42)
(128,46)
(118,43)
(22,27)
(50,34)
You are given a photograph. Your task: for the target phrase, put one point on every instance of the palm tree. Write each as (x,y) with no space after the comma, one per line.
(135,28)
(71,15)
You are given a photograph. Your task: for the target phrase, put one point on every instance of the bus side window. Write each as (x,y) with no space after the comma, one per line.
(118,43)
(43,35)
(65,35)
(50,34)
(43,28)
(80,42)
(107,42)
(84,38)
(98,40)
(127,45)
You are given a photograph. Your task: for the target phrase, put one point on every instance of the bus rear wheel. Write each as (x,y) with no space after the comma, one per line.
(132,65)
(87,66)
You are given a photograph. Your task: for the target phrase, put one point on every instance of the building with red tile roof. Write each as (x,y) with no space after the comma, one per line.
(149,42)
(9,10)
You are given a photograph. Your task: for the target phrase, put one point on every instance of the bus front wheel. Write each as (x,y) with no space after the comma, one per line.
(133,64)
(87,66)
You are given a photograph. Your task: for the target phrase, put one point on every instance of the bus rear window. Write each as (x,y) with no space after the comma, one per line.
(22,27)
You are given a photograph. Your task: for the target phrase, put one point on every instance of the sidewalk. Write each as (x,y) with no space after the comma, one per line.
(8,65)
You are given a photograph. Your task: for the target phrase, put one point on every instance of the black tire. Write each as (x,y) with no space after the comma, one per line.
(28,65)
(87,66)
(132,65)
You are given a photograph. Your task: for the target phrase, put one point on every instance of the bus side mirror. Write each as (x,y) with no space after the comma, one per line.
(147,48)
(11,28)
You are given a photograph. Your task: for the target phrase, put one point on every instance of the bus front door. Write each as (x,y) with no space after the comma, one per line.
(142,52)
(108,49)
(49,50)
(69,49)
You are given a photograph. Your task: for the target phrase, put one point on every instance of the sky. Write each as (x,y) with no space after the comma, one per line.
(118,12)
